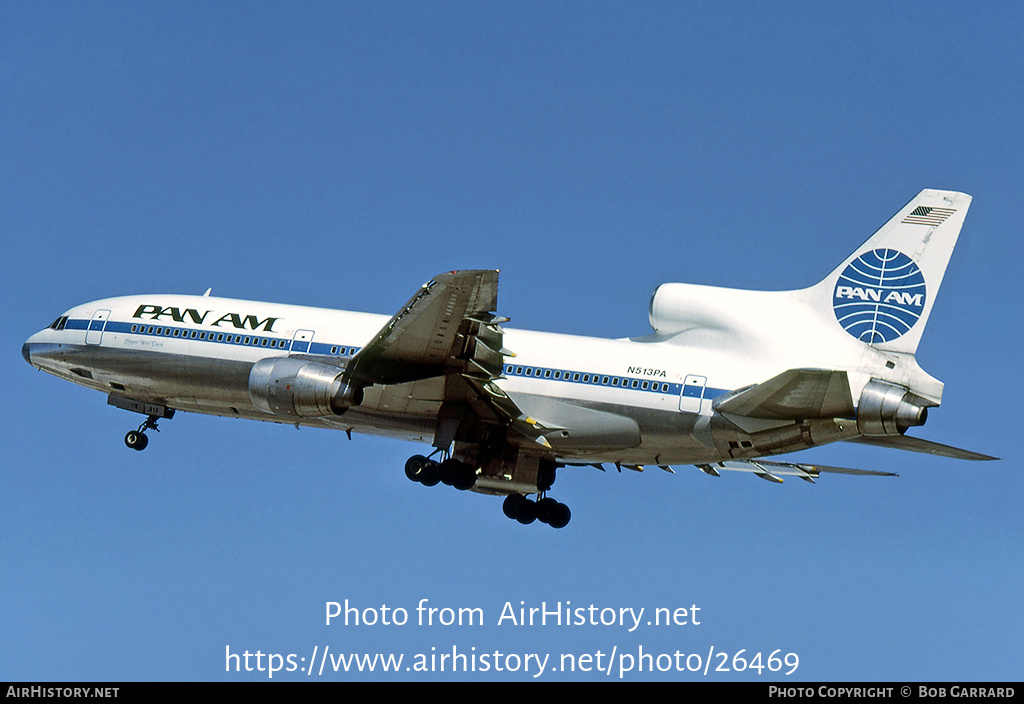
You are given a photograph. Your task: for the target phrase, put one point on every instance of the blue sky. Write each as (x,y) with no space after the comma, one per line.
(340,154)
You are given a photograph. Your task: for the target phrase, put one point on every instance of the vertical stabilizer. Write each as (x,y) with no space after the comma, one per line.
(883,293)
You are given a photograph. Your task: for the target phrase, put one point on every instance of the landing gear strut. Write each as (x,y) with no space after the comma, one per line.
(136,439)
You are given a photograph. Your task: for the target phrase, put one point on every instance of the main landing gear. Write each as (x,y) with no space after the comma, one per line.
(544,509)
(136,439)
(451,471)
(462,476)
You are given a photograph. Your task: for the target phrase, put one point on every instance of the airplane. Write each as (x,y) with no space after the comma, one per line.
(726,378)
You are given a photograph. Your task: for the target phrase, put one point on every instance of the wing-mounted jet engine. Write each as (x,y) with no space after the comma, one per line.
(293,386)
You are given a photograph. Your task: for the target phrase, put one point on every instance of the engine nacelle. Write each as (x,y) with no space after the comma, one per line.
(285,386)
(886,409)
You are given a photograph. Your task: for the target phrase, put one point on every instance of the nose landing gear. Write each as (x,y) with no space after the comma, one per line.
(136,439)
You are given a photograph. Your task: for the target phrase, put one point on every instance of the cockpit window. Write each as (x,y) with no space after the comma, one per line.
(59,323)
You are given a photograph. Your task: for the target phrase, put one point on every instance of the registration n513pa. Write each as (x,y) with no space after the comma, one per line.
(727,377)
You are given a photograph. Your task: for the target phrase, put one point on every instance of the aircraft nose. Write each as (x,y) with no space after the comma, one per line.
(26,352)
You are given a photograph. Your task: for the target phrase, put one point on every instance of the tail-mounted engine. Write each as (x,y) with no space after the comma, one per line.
(287,386)
(887,409)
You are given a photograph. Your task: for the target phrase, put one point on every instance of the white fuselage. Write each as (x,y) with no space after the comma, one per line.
(194,353)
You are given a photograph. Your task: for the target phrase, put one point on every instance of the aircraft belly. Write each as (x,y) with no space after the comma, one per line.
(631,434)
(183,382)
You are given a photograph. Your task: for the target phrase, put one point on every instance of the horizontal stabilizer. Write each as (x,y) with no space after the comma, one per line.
(797,394)
(906,442)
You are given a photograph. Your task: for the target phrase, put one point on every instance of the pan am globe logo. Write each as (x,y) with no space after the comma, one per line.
(879,296)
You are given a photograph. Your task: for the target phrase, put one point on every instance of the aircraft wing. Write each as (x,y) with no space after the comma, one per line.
(772,471)
(421,339)
(796,394)
(449,328)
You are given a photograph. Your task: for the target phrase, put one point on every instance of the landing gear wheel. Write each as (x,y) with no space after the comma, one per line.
(458,474)
(519,508)
(554,513)
(546,510)
(527,512)
(431,474)
(448,470)
(466,478)
(420,469)
(560,517)
(136,440)
(414,467)
(510,506)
